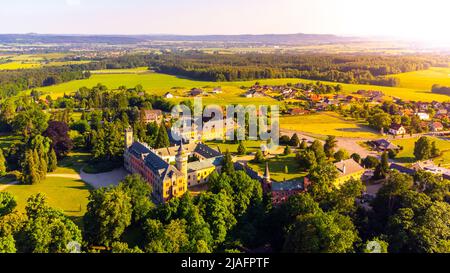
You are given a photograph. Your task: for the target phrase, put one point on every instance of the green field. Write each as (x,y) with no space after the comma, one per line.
(277,168)
(424,79)
(16,62)
(327,123)
(159,84)
(407,154)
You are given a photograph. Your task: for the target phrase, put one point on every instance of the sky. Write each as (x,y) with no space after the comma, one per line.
(425,20)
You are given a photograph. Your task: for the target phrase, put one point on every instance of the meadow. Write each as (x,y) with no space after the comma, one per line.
(16,62)
(424,79)
(327,123)
(160,84)
(407,154)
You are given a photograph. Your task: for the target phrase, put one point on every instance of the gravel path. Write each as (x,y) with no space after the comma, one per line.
(99,180)
(104,179)
(5,186)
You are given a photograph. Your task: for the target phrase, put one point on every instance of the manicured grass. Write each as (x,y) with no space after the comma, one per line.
(327,123)
(407,154)
(69,195)
(424,79)
(251,146)
(277,168)
(73,163)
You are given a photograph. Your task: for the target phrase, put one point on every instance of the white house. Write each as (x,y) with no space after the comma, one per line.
(423,116)
(168,96)
(397,129)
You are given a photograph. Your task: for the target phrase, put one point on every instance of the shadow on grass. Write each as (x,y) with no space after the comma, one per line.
(74,161)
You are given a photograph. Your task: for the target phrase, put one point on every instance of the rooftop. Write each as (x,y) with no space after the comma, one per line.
(288,185)
(347,167)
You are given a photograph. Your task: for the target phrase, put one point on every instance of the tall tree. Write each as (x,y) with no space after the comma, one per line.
(422,148)
(323,232)
(295,141)
(162,140)
(2,163)
(58,132)
(330,145)
(227,163)
(52,161)
(140,193)
(109,212)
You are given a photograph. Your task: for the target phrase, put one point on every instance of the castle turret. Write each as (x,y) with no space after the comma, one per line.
(128,137)
(267,182)
(181,160)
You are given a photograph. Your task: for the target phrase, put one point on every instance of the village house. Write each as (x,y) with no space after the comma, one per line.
(348,169)
(297,112)
(217,90)
(150,116)
(423,116)
(195,92)
(383,145)
(168,95)
(252,93)
(397,130)
(436,126)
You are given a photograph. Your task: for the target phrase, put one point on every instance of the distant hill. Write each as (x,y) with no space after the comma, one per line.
(272,39)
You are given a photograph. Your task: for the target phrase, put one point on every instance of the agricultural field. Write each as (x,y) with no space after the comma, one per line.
(16,62)
(407,154)
(159,84)
(277,167)
(424,79)
(327,123)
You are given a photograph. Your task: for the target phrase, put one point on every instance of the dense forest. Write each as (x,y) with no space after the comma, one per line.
(337,68)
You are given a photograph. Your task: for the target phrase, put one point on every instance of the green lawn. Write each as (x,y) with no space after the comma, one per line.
(407,154)
(251,146)
(327,123)
(73,163)
(69,195)
(277,168)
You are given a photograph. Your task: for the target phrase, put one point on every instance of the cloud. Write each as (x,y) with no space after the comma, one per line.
(73,3)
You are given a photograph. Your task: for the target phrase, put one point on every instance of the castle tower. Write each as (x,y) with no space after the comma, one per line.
(267,182)
(181,160)
(128,137)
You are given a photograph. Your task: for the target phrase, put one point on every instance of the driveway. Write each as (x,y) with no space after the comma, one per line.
(99,180)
